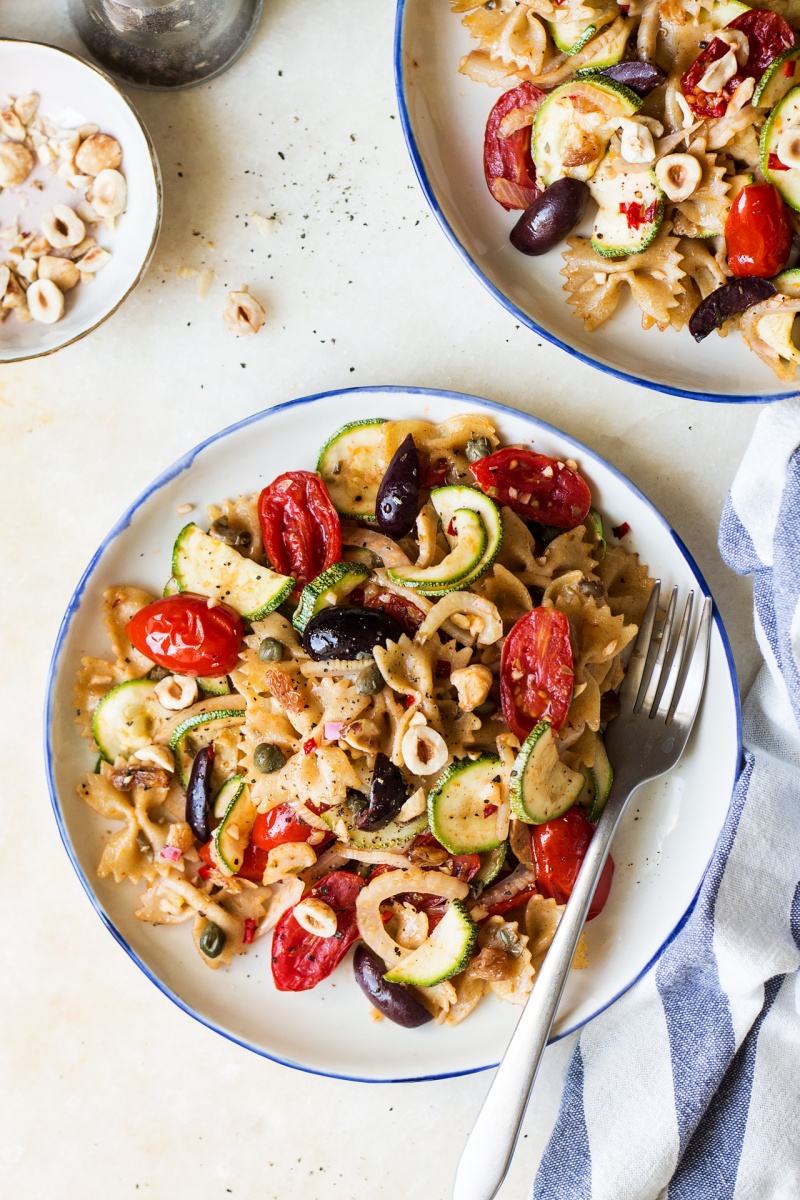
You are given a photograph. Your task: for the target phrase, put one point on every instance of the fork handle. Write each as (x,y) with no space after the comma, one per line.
(490,1146)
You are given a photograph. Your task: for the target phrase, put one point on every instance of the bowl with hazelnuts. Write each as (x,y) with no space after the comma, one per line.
(80,199)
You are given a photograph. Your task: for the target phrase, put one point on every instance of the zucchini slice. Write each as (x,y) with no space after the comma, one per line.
(631,206)
(230,791)
(124,719)
(351,467)
(456,806)
(327,589)
(557,136)
(542,787)
(597,520)
(203,564)
(446,952)
(214,685)
(491,862)
(725,11)
(202,727)
(778,79)
(392,835)
(603,778)
(233,833)
(171,587)
(467,535)
(571,36)
(448,501)
(785,115)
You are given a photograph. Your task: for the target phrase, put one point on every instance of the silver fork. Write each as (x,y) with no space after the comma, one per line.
(659,700)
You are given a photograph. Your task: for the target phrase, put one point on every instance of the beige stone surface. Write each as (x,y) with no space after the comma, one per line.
(106,1089)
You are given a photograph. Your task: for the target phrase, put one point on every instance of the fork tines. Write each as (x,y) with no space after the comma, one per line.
(665,676)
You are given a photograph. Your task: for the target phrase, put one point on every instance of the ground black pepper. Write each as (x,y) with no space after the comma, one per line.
(165,43)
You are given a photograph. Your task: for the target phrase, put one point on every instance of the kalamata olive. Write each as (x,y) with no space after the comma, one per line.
(387,795)
(198,811)
(212,940)
(270,650)
(344,631)
(640,77)
(398,496)
(726,301)
(551,216)
(391,999)
(355,800)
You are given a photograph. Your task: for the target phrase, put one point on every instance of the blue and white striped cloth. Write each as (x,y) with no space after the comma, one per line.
(688,1088)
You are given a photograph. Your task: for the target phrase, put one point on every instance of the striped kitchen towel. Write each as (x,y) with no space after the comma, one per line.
(688,1088)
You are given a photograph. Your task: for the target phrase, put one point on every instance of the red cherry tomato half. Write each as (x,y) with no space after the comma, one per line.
(758,235)
(768,35)
(301,529)
(300,960)
(183,634)
(535,486)
(254,862)
(511,902)
(281,824)
(536,671)
(507,163)
(404,611)
(559,847)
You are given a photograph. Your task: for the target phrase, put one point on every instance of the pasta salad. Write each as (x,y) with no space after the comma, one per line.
(368,708)
(678,123)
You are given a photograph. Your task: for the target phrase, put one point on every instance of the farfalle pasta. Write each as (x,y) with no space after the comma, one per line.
(678,123)
(364,750)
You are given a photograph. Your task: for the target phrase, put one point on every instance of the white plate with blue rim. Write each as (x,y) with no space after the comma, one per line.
(444,115)
(661,850)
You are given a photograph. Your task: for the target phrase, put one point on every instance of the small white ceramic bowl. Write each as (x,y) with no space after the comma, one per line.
(74,93)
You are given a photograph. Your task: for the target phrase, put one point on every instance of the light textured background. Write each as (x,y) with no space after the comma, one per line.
(105,1087)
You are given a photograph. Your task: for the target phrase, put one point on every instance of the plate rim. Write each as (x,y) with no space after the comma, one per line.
(508,304)
(170,472)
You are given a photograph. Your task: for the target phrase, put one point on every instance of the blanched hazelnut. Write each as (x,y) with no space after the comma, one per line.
(45,301)
(109,194)
(61,271)
(242,313)
(16,164)
(63,227)
(98,153)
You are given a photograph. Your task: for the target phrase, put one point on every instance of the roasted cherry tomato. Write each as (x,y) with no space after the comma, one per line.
(301,529)
(254,862)
(507,163)
(404,611)
(300,960)
(537,487)
(517,901)
(536,671)
(559,847)
(184,635)
(281,824)
(758,235)
(768,35)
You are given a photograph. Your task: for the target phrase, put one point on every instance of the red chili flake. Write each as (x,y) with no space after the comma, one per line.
(623,8)
(451,529)
(621,531)
(788,69)
(489,809)
(443,668)
(357,597)
(317,807)
(249,930)
(310,746)
(204,872)
(410,701)
(637,215)
(773,162)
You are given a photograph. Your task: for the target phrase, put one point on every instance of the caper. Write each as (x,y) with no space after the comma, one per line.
(143,842)
(355,800)
(270,650)
(369,681)
(486,709)
(478,447)
(212,940)
(157,673)
(268,757)
(222,530)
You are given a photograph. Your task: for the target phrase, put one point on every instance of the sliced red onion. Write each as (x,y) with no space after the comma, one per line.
(171,853)
(332,730)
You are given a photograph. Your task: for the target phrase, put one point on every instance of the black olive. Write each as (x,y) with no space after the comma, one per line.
(391,999)
(640,77)
(551,216)
(387,795)
(398,496)
(198,812)
(345,631)
(726,301)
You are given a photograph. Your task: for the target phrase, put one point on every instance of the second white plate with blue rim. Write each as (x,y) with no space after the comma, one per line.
(661,851)
(444,115)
